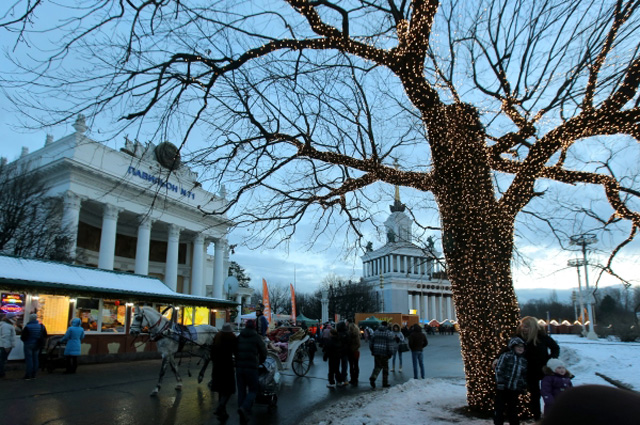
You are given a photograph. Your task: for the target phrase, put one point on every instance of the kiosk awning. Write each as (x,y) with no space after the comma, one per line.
(21,274)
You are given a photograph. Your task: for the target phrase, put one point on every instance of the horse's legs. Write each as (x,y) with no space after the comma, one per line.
(204,369)
(163,368)
(174,368)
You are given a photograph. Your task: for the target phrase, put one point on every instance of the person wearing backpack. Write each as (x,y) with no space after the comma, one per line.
(33,336)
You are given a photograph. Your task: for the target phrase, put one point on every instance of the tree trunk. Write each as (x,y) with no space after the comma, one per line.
(477,243)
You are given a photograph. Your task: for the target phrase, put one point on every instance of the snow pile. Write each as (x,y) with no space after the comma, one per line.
(436,401)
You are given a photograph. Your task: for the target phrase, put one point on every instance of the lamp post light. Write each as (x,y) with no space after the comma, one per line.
(577,263)
(583,241)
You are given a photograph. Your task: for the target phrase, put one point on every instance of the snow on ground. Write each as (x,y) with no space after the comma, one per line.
(434,401)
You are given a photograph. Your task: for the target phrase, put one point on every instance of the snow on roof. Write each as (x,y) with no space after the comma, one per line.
(50,274)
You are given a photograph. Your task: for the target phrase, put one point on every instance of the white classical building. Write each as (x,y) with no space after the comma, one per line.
(136,210)
(405,276)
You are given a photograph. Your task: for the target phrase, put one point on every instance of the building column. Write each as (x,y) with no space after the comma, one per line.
(239,301)
(108,237)
(218,272)
(71,204)
(142,246)
(324,302)
(425,305)
(197,266)
(410,300)
(432,307)
(171,266)
(450,308)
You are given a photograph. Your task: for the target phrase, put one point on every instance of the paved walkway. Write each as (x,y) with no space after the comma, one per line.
(118,393)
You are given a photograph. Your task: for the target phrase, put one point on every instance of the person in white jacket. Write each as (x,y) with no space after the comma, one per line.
(7,341)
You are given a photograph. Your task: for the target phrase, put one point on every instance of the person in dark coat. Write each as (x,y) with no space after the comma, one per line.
(341,327)
(72,338)
(557,379)
(353,353)
(417,342)
(33,336)
(223,350)
(511,370)
(262,323)
(539,348)
(252,352)
(332,352)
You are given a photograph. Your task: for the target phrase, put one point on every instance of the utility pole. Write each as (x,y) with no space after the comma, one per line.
(577,263)
(583,241)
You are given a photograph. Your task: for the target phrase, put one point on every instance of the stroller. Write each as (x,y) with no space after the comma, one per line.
(52,355)
(269,383)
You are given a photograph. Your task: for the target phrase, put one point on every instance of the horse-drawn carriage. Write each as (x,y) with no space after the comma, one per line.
(290,348)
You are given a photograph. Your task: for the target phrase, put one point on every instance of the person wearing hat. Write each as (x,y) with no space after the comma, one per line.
(262,323)
(33,336)
(557,380)
(511,381)
(252,352)
(223,375)
(7,341)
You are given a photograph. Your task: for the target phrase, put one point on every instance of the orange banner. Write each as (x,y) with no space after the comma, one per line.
(293,304)
(265,301)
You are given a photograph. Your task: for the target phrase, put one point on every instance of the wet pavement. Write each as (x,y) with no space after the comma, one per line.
(118,393)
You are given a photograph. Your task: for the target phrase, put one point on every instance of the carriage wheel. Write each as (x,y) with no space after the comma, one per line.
(301,362)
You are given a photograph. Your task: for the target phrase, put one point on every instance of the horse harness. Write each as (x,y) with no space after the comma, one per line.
(171,330)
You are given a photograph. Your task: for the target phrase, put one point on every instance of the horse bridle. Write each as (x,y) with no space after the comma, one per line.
(139,317)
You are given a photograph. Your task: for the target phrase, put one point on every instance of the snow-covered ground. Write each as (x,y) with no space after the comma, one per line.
(435,401)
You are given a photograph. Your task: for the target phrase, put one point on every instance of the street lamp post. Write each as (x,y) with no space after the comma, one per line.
(382,290)
(577,263)
(583,241)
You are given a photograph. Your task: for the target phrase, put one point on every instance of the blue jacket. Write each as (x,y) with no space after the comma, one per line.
(74,335)
(33,334)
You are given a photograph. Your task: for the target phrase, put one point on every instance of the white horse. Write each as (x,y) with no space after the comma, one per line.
(171,338)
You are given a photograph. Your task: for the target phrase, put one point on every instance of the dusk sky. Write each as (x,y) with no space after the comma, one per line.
(539,262)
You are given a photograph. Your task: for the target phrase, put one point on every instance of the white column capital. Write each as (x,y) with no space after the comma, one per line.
(71,200)
(199,239)
(145,222)
(111,212)
(173,231)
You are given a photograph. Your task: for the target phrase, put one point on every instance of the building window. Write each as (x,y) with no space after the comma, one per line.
(202,316)
(54,312)
(88,310)
(113,316)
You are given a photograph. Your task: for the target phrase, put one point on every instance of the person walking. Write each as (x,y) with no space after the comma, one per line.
(7,341)
(252,352)
(381,345)
(398,339)
(332,352)
(417,341)
(33,336)
(353,353)
(223,351)
(511,370)
(72,338)
(341,327)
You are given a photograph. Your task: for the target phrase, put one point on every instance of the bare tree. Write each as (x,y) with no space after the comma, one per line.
(279,298)
(486,105)
(30,222)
